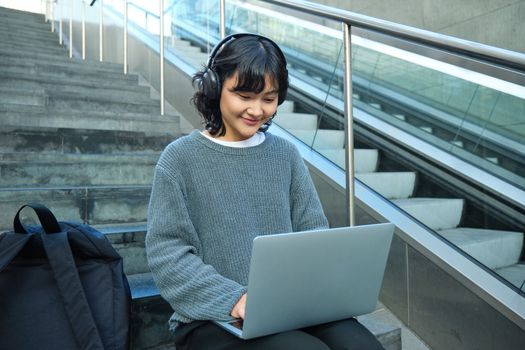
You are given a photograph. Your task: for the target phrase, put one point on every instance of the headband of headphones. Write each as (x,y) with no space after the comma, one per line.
(210,82)
(221,44)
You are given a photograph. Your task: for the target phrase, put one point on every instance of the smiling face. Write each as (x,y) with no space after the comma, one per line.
(244,112)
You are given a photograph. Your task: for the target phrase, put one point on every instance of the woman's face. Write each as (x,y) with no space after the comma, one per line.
(243,113)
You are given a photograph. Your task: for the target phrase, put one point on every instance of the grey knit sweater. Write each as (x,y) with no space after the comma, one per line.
(208,202)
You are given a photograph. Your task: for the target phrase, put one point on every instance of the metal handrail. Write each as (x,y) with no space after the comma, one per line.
(445,42)
(149,13)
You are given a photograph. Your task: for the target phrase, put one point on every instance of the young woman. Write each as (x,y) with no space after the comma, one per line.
(215,190)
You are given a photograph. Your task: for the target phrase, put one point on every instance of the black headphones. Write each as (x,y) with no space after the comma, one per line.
(210,82)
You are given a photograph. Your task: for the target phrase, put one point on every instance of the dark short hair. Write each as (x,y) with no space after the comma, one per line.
(251,56)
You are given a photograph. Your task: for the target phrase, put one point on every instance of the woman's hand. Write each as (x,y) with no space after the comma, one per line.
(238,309)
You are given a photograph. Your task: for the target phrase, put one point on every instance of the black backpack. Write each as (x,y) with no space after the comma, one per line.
(62,286)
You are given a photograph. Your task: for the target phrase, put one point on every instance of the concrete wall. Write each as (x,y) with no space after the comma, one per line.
(499,23)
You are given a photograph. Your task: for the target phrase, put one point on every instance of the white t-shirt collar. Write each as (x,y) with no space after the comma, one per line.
(255,140)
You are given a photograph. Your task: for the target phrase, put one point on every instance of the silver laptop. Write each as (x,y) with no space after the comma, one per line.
(307,278)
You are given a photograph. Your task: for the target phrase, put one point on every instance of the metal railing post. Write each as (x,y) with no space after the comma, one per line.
(52,16)
(83,30)
(46,17)
(60,39)
(349,129)
(125,36)
(71,30)
(101,31)
(222,27)
(161,57)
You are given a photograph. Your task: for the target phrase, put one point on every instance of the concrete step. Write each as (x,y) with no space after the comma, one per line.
(175,41)
(36,38)
(78,102)
(52,169)
(83,141)
(186,49)
(66,73)
(132,92)
(286,107)
(50,50)
(24,24)
(21,91)
(37,57)
(31,98)
(128,241)
(365,160)
(7,13)
(53,65)
(94,205)
(436,213)
(104,95)
(10,78)
(457,143)
(18,29)
(91,103)
(391,185)
(38,116)
(320,139)
(515,274)
(149,314)
(65,64)
(196,59)
(493,248)
(296,121)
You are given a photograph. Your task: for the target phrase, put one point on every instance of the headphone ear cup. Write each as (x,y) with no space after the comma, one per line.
(211,86)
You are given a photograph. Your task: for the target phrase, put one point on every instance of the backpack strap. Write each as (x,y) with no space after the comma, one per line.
(10,246)
(64,269)
(47,219)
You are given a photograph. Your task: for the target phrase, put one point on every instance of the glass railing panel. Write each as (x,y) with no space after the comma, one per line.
(192,30)
(476,122)
(145,14)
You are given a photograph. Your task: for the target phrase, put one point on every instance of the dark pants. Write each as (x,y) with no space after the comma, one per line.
(347,334)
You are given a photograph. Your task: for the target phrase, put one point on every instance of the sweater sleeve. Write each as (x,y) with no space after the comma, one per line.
(195,290)
(306,210)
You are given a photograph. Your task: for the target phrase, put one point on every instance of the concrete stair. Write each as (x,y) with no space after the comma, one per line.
(29,169)
(52,117)
(495,249)
(105,204)
(83,139)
